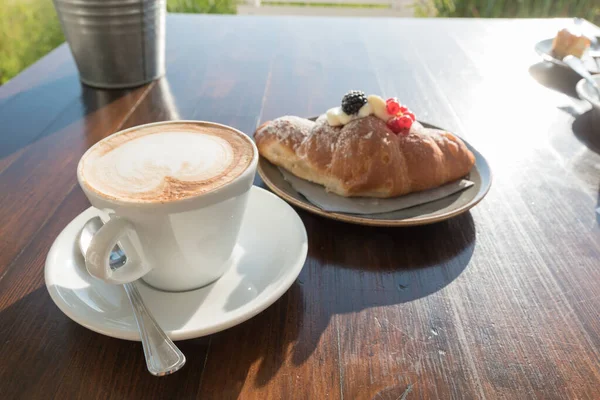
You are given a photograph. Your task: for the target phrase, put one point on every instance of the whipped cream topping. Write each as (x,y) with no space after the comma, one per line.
(375,106)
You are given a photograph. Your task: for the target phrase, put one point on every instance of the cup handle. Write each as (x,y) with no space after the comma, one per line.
(98,254)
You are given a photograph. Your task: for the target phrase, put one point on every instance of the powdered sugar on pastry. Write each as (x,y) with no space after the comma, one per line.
(289,129)
(364,157)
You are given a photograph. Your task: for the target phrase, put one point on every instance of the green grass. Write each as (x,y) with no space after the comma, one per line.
(28,30)
(342,5)
(588,9)
(202,6)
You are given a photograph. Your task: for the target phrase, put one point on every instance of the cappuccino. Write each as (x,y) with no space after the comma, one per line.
(165,162)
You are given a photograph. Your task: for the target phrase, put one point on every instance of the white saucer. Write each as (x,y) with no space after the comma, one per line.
(271,250)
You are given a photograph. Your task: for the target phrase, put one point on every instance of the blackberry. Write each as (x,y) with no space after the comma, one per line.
(353,101)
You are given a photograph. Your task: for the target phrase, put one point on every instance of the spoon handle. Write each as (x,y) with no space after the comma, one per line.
(162,356)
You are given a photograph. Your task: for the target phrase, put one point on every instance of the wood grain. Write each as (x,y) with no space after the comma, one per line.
(500,303)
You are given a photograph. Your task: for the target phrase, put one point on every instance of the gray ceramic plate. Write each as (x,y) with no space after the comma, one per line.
(544,49)
(439,210)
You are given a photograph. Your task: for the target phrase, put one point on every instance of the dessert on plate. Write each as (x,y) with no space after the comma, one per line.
(568,43)
(368,147)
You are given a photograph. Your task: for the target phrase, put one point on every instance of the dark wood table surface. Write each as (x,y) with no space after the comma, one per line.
(500,303)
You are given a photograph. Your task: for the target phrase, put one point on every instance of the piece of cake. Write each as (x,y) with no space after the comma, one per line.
(567,43)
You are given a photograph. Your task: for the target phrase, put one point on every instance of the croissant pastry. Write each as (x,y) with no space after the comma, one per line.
(364,157)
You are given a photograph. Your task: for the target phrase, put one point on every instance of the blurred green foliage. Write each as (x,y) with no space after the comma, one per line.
(588,9)
(202,6)
(29,29)
(330,5)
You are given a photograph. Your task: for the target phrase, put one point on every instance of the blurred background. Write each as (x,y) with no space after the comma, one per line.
(29,28)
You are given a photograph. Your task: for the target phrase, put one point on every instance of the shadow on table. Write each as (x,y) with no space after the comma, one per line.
(556,78)
(399,265)
(43,352)
(350,268)
(586,128)
(356,268)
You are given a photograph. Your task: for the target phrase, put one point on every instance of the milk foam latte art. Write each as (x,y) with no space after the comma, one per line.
(164,163)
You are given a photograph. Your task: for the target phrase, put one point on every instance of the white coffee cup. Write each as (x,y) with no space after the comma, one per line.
(177,236)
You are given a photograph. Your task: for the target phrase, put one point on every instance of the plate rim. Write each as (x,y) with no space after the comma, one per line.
(547,56)
(353,219)
(180,334)
(550,58)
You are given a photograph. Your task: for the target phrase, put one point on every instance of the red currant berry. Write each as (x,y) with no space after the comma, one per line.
(404,132)
(392,106)
(403,109)
(395,125)
(410,115)
(405,122)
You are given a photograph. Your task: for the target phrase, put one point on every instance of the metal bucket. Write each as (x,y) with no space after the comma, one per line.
(115,43)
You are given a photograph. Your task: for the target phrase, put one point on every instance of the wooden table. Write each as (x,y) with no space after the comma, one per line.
(502,302)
